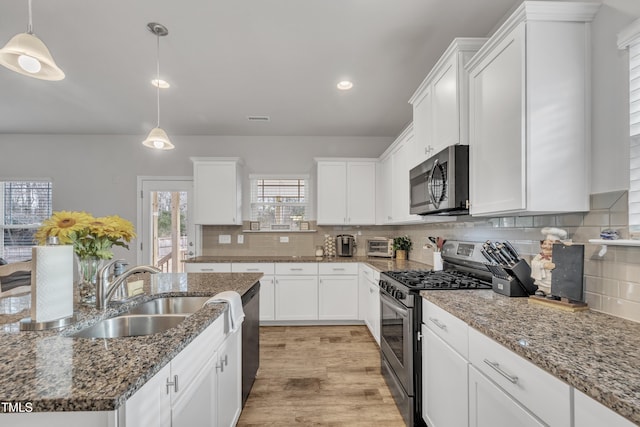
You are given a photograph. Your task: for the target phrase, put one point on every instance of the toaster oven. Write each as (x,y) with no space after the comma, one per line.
(380,247)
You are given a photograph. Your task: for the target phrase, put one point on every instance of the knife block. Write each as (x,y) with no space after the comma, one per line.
(510,287)
(522,272)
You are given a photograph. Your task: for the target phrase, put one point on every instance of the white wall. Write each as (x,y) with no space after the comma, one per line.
(97,173)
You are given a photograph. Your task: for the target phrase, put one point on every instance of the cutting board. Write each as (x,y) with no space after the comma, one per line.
(568,276)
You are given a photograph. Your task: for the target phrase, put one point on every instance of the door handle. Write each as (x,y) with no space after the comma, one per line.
(173,383)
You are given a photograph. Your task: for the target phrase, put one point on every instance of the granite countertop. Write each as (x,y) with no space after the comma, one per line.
(380,264)
(596,353)
(60,373)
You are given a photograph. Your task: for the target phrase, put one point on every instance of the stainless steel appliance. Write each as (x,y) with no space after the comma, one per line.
(440,184)
(250,339)
(380,247)
(345,245)
(401,316)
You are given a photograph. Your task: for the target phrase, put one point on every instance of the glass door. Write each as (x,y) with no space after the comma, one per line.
(166,234)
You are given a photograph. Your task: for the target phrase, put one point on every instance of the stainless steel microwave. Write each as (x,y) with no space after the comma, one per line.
(440,184)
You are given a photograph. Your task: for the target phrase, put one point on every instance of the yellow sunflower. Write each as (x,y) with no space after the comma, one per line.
(117,228)
(62,224)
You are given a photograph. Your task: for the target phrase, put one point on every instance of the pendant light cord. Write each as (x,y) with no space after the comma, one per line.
(157,76)
(30,27)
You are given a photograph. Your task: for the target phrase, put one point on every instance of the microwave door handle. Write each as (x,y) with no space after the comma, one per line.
(432,197)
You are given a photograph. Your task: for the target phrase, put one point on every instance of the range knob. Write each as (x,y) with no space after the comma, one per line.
(399,295)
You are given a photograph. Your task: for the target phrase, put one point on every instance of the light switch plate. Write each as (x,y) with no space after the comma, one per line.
(284,239)
(240,239)
(224,239)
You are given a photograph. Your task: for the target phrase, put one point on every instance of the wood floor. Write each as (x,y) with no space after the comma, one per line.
(319,376)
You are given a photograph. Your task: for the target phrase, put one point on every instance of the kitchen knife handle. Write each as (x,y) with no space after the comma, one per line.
(511,249)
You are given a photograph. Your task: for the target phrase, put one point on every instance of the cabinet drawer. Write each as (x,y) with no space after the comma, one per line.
(338,268)
(297,268)
(540,392)
(452,330)
(207,267)
(253,267)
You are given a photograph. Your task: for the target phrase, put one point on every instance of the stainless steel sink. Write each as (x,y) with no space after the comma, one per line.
(170,305)
(130,326)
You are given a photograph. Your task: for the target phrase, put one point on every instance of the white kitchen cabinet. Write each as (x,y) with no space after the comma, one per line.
(296,298)
(338,291)
(591,413)
(444,367)
(267,282)
(383,184)
(229,380)
(346,191)
(370,300)
(490,406)
(440,104)
(151,404)
(545,396)
(207,267)
(444,383)
(529,112)
(194,404)
(217,191)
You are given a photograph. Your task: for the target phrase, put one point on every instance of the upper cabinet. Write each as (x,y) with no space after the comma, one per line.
(440,104)
(346,191)
(529,112)
(217,185)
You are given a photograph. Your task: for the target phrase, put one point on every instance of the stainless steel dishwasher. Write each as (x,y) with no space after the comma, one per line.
(250,339)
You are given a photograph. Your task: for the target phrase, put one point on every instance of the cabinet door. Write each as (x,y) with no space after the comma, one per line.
(373,311)
(446,117)
(444,381)
(423,126)
(590,413)
(216,193)
(489,406)
(267,298)
(338,298)
(401,159)
(229,368)
(361,193)
(194,403)
(296,297)
(332,192)
(385,201)
(151,405)
(497,141)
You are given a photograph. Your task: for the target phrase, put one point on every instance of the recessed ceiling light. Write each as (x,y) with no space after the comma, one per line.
(159,83)
(344,85)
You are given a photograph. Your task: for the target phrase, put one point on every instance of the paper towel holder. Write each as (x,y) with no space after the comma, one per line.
(27,324)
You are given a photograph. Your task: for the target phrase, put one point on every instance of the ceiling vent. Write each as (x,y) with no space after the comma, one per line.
(259,118)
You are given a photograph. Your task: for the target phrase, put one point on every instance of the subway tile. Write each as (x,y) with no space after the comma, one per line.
(524,221)
(606,200)
(597,218)
(622,308)
(594,301)
(569,220)
(544,221)
(508,221)
(593,285)
(629,291)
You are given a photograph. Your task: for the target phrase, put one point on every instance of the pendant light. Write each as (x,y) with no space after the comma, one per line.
(27,54)
(158,138)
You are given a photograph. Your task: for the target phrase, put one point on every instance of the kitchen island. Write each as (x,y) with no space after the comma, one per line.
(594,353)
(53,372)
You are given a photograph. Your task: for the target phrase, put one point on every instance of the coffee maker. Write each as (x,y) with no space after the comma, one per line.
(345,245)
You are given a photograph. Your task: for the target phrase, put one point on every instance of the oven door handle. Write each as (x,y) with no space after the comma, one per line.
(393,306)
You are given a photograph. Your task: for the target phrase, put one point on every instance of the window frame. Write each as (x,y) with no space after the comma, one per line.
(294,225)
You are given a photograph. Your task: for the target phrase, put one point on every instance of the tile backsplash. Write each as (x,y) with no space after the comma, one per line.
(612,281)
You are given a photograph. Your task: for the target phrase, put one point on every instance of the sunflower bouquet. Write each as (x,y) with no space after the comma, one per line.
(91,237)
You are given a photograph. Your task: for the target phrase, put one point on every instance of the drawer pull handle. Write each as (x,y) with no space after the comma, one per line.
(207,269)
(338,269)
(253,269)
(173,383)
(496,366)
(438,324)
(295,269)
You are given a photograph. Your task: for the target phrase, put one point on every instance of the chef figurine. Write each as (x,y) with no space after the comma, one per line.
(542,264)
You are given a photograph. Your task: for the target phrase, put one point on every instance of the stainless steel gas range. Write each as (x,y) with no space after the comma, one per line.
(401,316)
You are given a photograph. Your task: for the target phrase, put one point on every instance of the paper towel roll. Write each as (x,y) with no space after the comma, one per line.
(51,283)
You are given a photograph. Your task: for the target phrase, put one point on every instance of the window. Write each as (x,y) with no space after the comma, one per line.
(279,203)
(23,207)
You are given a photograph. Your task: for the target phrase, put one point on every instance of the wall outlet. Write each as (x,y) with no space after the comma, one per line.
(284,239)
(240,239)
(224,239)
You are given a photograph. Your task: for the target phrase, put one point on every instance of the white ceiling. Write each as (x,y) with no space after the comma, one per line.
(229,59)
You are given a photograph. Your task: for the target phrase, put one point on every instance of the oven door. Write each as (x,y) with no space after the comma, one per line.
(396,343)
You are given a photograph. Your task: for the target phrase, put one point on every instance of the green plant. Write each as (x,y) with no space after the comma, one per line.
(402,243)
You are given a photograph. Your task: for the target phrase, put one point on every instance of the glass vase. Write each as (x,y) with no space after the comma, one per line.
(88,274)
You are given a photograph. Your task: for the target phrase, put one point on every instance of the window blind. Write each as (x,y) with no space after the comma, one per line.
(25,205)
(634,154)
(279,201)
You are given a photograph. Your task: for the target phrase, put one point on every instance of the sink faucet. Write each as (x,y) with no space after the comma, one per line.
(105,290)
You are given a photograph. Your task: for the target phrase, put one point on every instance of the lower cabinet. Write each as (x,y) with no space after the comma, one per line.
(338,291)
(201,386)
(267,298)
(370,300)
(490,406)
(591,413)
(296,298)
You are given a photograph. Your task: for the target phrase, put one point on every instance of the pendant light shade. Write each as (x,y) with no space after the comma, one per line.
(158,138)
(28,55)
